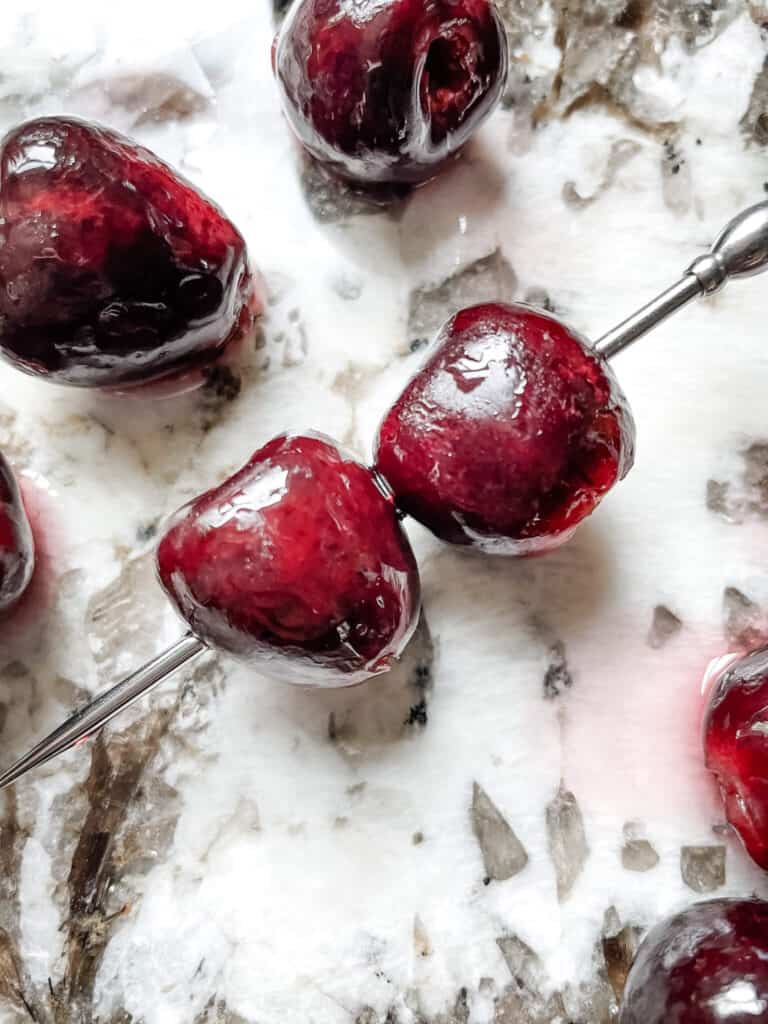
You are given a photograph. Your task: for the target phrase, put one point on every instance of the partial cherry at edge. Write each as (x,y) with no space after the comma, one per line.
(735,741)
(17,546)
(705,965)
(115,272)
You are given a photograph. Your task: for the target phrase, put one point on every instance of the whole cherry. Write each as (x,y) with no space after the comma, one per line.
(17,549)
(509,435)
(114,271)
(297,563)
(386,91)
(706,965)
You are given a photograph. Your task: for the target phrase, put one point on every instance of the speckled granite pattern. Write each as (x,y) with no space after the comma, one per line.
(484,835)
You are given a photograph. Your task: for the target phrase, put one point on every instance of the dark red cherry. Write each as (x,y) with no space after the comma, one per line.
(707,965)
(510,434)
(736,747)
(388,90)
(114,271)
(17,550)
(298,563)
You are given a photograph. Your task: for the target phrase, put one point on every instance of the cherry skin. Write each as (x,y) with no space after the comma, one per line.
(386,91)
(17,549)
(706,965)
(297,563)
(509,435)
(735,733)
(114,271)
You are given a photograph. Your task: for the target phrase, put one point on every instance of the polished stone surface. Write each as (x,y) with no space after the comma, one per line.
(483,835)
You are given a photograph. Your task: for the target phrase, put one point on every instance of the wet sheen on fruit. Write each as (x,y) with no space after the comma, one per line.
(385,91)
(509,435)
(114,271)
(735,735)
(707,965)
(17,550)
(297,563)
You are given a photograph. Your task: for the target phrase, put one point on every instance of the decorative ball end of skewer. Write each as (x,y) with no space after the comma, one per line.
(740,250)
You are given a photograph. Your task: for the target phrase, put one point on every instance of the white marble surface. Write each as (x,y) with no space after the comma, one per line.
(269,867)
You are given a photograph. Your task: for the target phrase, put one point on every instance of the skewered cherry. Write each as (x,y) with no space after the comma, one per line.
(707,965)
(297,560)
(509,435)
(386,92)
(17,550)
(344,602)
(114,271)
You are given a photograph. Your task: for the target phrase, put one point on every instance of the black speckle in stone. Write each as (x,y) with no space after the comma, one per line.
(540,298)
(417,344)
(422,675)
(222,383)
(633,15)
(557,678)
(418,714)
(146,531)
(279,7)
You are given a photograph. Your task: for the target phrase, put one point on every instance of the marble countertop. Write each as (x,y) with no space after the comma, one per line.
(481,836)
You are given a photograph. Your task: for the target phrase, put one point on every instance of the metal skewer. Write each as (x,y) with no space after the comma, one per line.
(95,715)
(740,250)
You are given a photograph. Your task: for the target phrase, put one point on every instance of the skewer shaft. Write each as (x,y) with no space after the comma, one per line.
(650,316)
(95,715)
(740,250)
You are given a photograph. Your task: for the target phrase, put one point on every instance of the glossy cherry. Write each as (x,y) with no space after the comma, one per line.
(707,965)
(17,549)
(736,747)
(298,562)
(385,91)
(114,271)
(509,435)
